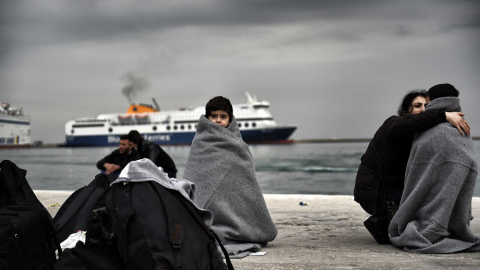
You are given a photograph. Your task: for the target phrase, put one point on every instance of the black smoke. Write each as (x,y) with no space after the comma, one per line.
(134,85)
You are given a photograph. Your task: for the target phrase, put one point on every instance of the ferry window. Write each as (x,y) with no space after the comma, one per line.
(73,131)
(110,130)
(189,126)
(175,127)
(182,127)
(246,124)
(239,125)
(254,124)
(154,128)
(168,127)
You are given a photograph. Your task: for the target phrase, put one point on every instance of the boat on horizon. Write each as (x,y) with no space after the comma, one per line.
(174,127)
(14,127)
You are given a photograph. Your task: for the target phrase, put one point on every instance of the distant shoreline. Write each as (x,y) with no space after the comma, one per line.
(346,140)
(329,140)
(333,140)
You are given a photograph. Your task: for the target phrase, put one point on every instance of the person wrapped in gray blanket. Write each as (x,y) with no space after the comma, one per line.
(435,209)
(221,166)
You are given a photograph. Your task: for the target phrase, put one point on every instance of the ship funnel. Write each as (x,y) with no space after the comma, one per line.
(155,104)
(250,98)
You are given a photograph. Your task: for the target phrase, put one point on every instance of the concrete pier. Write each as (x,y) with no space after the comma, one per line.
(328,233)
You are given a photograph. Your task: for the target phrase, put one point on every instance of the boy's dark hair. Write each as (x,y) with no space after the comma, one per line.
(219,103)
(135,137)
(404,108)
(124,137)
(442,90)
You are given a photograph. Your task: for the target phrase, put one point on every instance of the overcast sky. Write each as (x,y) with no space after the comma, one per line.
(334,68)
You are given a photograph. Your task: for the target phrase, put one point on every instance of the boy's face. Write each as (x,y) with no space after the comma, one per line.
(220,117)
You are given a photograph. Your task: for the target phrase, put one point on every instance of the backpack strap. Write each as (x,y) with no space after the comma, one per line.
(176,231)
(225,253)
(119,207)
(176,235)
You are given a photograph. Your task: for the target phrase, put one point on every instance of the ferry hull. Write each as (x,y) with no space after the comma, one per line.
(14,133)
(14,146)
(274,135)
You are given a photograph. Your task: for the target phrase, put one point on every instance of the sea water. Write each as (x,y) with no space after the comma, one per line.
(298,168)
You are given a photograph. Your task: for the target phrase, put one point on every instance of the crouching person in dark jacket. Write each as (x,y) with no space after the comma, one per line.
(114,162)
(153,151)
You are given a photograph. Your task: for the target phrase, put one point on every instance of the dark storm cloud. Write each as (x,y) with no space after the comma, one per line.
(309,51)
(6,23)
(468,24)
(92,20)
(70,21)
(275,10)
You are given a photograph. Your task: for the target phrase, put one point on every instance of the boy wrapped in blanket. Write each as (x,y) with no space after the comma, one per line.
(221,166)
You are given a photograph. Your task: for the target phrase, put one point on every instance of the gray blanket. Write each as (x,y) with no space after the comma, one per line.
(221,166)
(435,210)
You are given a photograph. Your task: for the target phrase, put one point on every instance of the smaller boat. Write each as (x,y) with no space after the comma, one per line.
(14,127)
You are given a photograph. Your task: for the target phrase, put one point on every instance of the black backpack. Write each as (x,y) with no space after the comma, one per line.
(27,236)
(85,210)
(157,228)
(75,212)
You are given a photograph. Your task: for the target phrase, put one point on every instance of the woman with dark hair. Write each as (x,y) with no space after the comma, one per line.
(382,169)
(407,106)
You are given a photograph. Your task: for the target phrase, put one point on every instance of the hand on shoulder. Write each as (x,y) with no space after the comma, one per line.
(456,119)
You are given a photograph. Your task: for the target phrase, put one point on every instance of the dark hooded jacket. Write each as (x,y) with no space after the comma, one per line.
(155,153)
(392,141)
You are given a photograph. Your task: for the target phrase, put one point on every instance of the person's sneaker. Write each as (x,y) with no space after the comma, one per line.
(378,228)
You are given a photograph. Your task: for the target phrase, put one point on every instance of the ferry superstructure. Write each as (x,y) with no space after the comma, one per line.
(14,127)
(175,127)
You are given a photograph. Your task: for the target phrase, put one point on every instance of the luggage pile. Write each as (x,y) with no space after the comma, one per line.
(128,225)
(27,237)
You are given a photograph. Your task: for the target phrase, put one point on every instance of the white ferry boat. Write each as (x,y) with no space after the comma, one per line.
(174,127)
(14,127)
